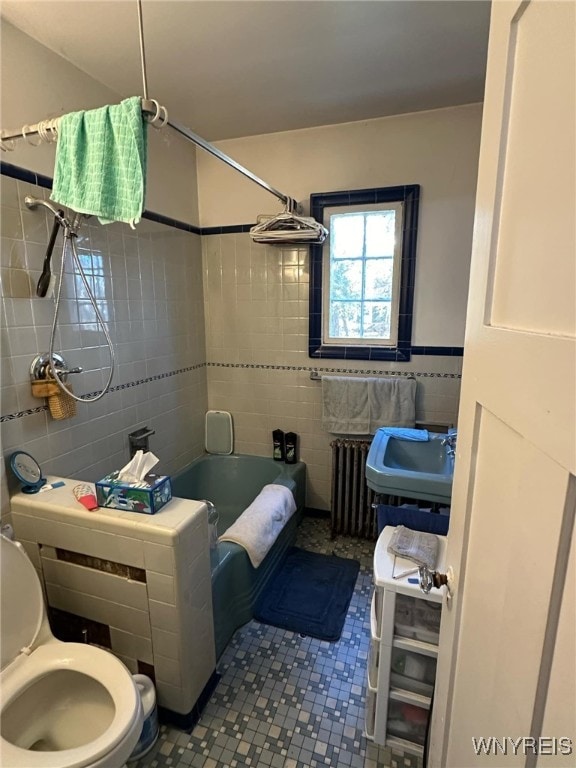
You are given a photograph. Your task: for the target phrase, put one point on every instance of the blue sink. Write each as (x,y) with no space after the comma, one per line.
(419,470)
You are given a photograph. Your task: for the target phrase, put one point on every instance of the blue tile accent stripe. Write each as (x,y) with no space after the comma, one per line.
(117,388)
(317,369)
(22,174)
(159,218)
(229,230)
(20,414)
(446,351)
(259,366)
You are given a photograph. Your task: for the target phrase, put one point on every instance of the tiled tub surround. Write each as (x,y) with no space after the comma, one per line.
(225,329)
(148,283)
(256,316)
(163,619)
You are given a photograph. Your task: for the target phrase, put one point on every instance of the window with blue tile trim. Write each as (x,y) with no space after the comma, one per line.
(362,278)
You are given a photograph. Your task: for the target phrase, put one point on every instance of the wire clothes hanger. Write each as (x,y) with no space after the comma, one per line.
(288,227)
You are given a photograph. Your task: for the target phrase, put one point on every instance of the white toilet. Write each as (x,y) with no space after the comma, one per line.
(64,705)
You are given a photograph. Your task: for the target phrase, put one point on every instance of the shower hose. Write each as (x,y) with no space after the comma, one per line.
(70,237)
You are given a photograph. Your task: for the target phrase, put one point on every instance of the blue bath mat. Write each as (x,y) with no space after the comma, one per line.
(310,594)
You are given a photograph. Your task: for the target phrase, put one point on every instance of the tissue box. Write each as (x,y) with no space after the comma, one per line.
(147,496)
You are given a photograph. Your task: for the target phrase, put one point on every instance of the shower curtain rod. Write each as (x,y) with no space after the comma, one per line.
(149,108)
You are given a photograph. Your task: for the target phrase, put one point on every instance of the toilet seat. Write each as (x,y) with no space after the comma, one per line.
(95,663)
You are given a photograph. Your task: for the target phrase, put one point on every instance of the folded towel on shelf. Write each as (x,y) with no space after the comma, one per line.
(421,548)
(359,405)
(400,433)
(101,162)
(260,524)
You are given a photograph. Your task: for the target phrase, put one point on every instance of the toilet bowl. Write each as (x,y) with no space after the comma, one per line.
(64,705)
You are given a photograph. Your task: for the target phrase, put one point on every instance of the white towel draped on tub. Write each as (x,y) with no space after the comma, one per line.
(359,405)
(259,525)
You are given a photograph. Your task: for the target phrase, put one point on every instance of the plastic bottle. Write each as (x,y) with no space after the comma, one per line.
(278,445)
(291,448)
(149,732)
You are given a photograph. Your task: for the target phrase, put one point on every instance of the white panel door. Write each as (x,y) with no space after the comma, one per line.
(507,659)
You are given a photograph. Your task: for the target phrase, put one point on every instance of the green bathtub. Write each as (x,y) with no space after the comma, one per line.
(231,483)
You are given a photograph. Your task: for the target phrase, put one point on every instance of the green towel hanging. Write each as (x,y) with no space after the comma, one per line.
(101,162)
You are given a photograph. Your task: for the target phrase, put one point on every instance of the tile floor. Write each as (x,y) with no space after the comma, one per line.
(287,701)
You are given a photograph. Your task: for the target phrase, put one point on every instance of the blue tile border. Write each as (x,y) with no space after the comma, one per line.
(22,174)
(159,218)
(257,366)
(317,369)
(20,414)
(117,388)
(446,351)
(229,230)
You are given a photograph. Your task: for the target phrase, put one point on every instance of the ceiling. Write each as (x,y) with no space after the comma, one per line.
(229,69)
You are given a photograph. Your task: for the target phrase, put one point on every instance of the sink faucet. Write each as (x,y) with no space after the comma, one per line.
(450,442)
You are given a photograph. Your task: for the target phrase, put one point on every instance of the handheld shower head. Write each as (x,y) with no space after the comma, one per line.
(34,202)
(70,226)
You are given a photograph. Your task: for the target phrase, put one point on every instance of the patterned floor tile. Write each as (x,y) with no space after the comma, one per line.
(285,700)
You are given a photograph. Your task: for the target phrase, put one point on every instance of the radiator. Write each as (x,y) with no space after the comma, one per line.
(351,507)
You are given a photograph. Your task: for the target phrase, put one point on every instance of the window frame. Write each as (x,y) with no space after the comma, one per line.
(409,195)
(396,257)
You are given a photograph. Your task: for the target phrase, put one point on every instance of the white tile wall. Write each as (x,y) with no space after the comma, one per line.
(151,290)
(256,313)
(108,586)
(105,611)
(167,643)
(160,587)
(131,645)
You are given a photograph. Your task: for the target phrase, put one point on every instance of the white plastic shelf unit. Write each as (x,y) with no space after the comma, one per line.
(405,626)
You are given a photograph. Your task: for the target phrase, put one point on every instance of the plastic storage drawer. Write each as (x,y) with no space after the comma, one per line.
(407,721)
(412,672)
(417,619)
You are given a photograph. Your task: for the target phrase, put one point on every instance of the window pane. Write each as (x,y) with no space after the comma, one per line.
(346,236)
(376,320)
(346,280)
(379,279)
(345,319)
(380,237)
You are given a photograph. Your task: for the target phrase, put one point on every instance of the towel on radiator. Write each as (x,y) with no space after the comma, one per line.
(359,405)
(260,524)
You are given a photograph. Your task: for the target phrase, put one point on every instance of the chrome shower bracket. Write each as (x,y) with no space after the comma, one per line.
(40,368)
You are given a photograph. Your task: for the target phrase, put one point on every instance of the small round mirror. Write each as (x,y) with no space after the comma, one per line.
(28,471)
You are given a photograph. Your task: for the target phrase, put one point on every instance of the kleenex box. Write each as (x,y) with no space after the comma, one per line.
(147,496)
